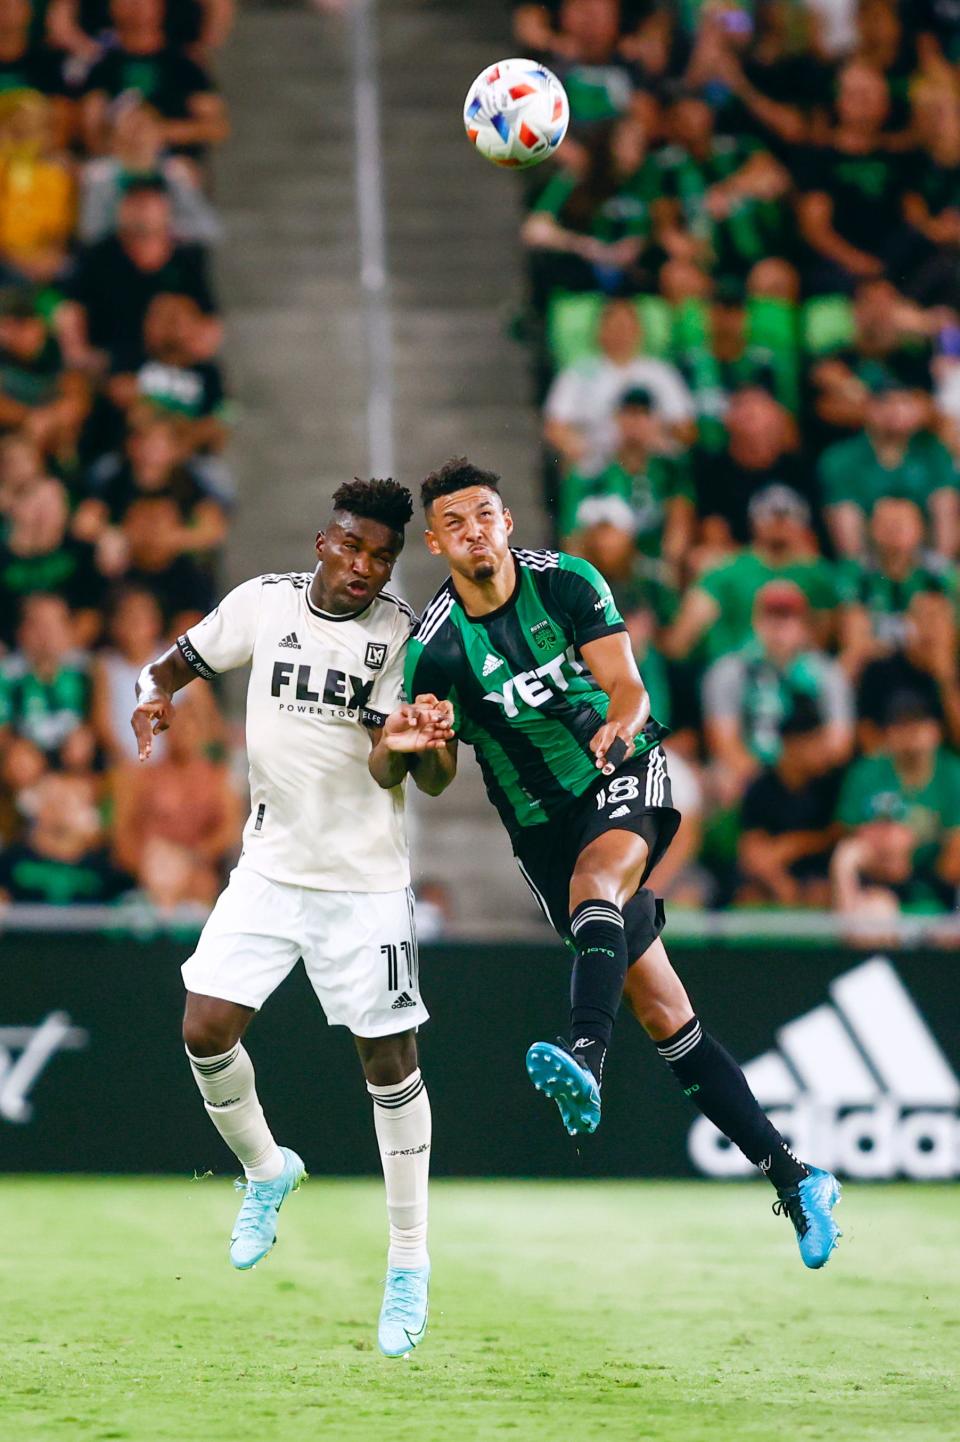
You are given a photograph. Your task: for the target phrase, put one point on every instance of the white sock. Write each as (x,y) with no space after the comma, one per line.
(401,1115)
(229,1094)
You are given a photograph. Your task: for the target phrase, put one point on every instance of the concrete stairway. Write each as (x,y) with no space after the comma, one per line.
(289,277)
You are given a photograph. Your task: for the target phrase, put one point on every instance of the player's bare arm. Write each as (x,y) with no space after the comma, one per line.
(156,686)
(523,638)
(324,873)
(612,663)
(407,741)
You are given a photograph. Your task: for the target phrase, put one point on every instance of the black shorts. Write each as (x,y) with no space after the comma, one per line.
(636,798)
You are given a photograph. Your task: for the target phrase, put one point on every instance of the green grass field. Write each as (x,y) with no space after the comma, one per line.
(558,1311)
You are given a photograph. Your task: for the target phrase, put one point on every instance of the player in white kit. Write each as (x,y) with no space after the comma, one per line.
(324,872)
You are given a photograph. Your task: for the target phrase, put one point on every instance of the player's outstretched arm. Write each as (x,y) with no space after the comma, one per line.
(612,663)
(156,685)
(416,737)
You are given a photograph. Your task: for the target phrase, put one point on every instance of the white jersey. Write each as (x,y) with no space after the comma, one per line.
(317,817)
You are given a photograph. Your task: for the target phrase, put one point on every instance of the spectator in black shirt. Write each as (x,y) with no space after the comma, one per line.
(885,42)
(140,60)
(37,394)
(83,27)
(787,820)
(891,337)
(117,278)
(24,66)
(850,214)
(937,27)
(926,666)
(37,553)
(932,201)
(154,505)
(539,27)
(760,452)
(173,378)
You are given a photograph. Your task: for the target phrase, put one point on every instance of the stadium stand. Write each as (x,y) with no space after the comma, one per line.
(743,291)
(743,324)
(114,496)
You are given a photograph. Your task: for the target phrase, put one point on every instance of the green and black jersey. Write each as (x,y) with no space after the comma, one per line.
(522,695)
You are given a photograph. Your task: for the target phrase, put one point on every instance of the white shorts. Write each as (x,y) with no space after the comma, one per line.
(359,949)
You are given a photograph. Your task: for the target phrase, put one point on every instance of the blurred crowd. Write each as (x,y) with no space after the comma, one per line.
(744,306)
(114,414)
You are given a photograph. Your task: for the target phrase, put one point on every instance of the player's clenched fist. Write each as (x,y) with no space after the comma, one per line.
(148,720)
(425,724)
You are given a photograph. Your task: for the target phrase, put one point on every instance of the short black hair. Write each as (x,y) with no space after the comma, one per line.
(385,501)
(144,185)
(456,475)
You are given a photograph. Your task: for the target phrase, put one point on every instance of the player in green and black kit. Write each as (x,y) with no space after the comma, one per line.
(527,654)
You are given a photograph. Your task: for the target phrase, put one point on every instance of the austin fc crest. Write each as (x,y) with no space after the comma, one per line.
(544,635)
(376,655)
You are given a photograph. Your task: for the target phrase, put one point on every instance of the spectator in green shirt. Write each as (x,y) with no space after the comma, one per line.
(901,809)
(876,592)
(722,195)
(652,481)
(588,232)
(748,694)
(63,860)
(45,693)
(893,457)
(718,608)
(718,356)
(585,47)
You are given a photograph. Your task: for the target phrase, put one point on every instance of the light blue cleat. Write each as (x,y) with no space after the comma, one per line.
(809,1206)
(256,1226)
(557,1073)
(403,1316)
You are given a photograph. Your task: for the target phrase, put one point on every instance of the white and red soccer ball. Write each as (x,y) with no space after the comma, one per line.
(516,113)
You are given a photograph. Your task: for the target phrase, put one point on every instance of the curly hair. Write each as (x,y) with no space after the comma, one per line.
(456,475)
(384,501)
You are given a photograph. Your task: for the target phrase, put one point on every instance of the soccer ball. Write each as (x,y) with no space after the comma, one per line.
(516,113)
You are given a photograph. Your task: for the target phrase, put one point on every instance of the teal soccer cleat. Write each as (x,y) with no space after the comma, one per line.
(557,1073)
(403,1316)
(256,1227)
(809,1206)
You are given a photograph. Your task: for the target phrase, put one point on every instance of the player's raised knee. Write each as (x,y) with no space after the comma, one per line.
(208,1032)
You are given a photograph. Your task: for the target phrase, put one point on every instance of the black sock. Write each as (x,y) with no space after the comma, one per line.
(596,986)
(715,1083)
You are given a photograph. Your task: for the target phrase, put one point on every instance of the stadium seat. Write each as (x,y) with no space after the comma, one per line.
(827,324)
(572,321)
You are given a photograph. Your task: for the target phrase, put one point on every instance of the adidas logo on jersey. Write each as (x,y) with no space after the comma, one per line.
(620,811)
(859,1084)
(291,641)
(404,999)
(490,665)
